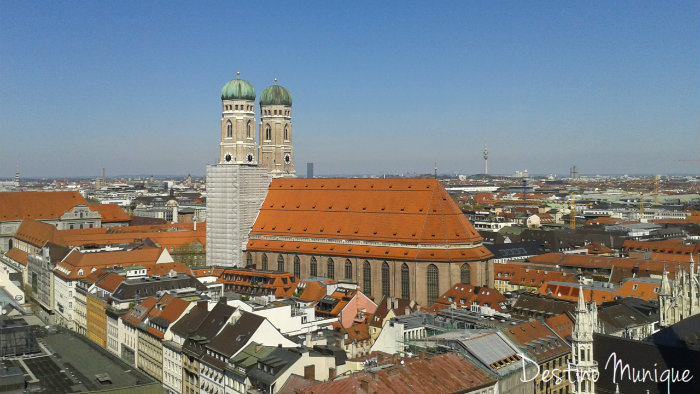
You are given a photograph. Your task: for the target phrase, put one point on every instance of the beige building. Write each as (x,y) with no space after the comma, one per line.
(276,153)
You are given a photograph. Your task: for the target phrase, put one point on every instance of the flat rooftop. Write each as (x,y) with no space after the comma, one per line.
(75,364)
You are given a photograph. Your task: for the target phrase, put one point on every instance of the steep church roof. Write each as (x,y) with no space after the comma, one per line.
(390,218)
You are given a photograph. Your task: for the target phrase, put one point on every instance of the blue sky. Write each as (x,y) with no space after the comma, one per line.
(378,87)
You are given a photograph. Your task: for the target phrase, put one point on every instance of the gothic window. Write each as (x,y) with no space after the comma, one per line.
(268,132)
(229,129)
(248,259)
(367,278)
(330,269)
(405,289)
(385,279)
(465,275)
(286,133)
(313,267)
(348,269)
(264,261)
(247,132)
(433,284)
(297,267)
(280,263)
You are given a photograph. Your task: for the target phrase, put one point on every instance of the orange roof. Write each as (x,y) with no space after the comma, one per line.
(110,282)
(675,246)
(598,248)
(312,290)
(37,205)
(258,282)
(38,233)
(603,220)
(17,255)
(655,267)
(518,274)
(630,288)
(168,308)
(561,324)
(404,211)
(135,315)
(464,295)
(200,272)
(164,268)
(110,213)
(538,338)
(71,264)
(104,236)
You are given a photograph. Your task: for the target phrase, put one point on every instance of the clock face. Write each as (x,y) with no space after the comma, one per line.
(287,158)
(250,158)
(228,157)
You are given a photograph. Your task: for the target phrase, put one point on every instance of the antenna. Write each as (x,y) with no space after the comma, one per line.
(486,160)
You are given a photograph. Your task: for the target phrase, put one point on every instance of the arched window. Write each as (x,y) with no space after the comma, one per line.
(297,267)
(247,131)
(268,132)
(248,259)
(385,279)
(433,284)
(348,269)
(367,278)
(280,263)
(264,261)
(229,129)
(405,287)
(286,132)
(313,267)
(465,274)
(330,269)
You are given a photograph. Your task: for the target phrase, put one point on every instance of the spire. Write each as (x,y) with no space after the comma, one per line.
(581,300)
(665,286)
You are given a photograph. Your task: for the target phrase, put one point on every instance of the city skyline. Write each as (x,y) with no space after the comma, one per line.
(390,88)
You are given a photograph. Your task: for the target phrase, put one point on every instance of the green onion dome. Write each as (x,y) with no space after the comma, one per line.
(238,89)
(276,95)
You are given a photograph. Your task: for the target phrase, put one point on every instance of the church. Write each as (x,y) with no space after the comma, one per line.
(237,185)
(402,238)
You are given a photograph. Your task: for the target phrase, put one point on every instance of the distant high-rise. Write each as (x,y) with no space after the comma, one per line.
(573,173)
(486,160)
(309,170)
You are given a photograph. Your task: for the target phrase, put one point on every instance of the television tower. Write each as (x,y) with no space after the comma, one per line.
(486,160)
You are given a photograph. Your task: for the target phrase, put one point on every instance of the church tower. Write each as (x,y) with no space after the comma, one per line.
(665,302)
(236,186)
(582,362)
(275,152)
(238,144)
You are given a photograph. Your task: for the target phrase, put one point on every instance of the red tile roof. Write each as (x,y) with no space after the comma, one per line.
(110,282)
(111,213)
(561,324)
(464,295)
(37,205)
(17,255)
(405,212)
(75,261)
(441,374)
(539,340)
(38,233)
(518,274)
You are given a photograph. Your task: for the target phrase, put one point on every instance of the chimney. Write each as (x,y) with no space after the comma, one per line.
(396,303)
(202,304)
(308,339)
(388,302)
(364,384)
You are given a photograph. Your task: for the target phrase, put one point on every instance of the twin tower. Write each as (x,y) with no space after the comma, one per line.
(239,141)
